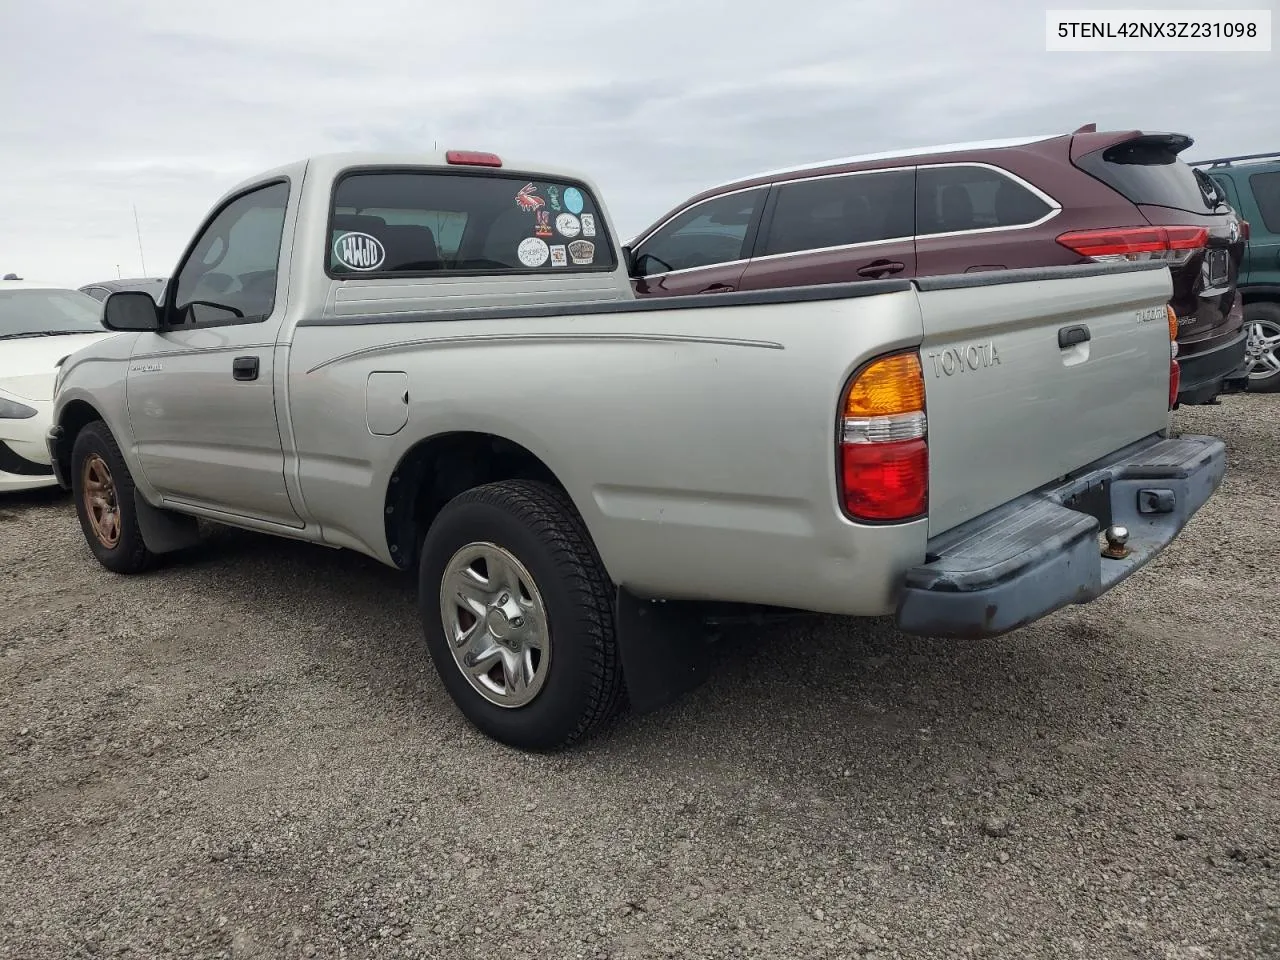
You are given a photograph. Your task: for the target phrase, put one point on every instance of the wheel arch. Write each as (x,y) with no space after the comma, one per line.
(438,468)
(73,418)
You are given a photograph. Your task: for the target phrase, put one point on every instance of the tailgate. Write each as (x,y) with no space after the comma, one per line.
(1009,409)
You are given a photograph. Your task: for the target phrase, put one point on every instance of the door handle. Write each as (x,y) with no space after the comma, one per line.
(1070,336)
(245,368)
(881,268)
(718,288)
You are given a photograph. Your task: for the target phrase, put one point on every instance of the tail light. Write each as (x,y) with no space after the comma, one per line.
(1244,230)
(1175,372)
(884,457)
(1173,245)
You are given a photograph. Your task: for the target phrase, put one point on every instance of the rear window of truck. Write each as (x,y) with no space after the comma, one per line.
(422,223)
(1149,173)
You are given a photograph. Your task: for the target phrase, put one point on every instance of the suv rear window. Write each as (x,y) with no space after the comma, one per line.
(427,222)
(1149,172)
(1266,193)
(958,197)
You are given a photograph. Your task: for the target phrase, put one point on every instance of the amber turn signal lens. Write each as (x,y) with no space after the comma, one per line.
(887,386)
(1173,322)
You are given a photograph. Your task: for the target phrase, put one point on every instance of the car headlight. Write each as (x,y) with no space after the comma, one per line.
(13,410)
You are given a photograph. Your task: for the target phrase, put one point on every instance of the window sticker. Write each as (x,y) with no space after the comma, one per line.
(568,225)
(528,200)
(533,252)
(359,251)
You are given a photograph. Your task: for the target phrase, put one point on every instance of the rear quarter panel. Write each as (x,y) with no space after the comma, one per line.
(698,443)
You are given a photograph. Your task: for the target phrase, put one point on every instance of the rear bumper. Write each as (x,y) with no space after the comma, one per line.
(1203,374)
(1041,552)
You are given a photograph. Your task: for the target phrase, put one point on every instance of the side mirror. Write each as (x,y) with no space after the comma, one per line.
(130,310)
(629,258)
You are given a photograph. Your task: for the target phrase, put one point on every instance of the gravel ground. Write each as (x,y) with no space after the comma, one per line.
(248,755)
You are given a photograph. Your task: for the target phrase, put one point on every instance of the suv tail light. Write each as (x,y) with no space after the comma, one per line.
(1174,245)
(883,453)
(1244,230)
(1175,372)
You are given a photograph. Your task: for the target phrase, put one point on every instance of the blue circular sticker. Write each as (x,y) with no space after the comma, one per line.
(573,200)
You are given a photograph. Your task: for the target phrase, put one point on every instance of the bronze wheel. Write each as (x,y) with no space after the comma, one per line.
(106,502)
(100,503)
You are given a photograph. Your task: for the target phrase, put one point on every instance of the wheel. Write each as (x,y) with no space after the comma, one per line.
(103,491)
(1262,320)
(519,616)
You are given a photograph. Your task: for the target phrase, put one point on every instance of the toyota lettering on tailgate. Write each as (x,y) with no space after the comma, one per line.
(966,356)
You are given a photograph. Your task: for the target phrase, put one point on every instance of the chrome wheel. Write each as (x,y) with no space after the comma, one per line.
(495,623)
(99,492)
(1262,354)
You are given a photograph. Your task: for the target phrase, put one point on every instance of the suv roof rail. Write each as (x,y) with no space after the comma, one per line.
(1227,161)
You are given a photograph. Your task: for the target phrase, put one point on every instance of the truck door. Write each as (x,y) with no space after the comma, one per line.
(201,390)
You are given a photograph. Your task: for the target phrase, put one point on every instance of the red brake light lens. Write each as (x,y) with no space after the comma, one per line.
(1173,244)
(473,158)
(1175,381)
(885,481)
(1244,230)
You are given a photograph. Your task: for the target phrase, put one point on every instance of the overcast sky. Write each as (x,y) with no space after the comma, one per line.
(109,103)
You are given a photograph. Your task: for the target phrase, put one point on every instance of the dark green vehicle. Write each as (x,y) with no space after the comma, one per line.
(1252,186)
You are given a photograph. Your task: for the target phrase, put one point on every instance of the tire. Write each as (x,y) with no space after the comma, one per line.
(95,458)
(573,685)
(1264,319)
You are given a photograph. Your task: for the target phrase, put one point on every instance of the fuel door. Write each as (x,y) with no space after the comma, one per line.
(386,402)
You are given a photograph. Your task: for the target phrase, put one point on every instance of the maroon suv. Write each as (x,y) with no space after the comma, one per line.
(993,205)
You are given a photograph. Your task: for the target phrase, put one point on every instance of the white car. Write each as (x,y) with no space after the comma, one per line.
(40,324)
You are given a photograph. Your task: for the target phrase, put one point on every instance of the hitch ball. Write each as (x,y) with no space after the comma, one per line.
(1117,543)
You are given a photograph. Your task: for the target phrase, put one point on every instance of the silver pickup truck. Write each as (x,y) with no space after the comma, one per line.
(436,360)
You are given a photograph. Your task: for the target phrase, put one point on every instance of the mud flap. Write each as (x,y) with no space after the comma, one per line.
(162,530)
(664,649)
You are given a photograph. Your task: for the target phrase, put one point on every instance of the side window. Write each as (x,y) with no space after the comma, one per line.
(955,198)
(230,275)
(98,293)
(711,232)
(1266,193)
(837,211)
